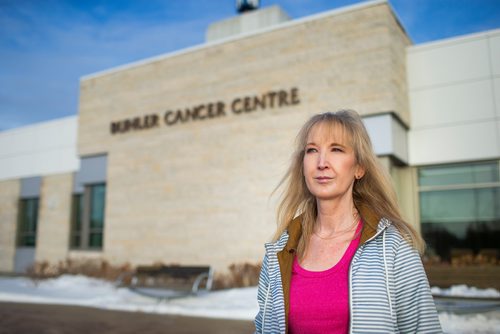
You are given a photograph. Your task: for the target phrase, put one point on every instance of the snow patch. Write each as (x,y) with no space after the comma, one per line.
(228,304)
(84,291)
(470,323)
(465,291)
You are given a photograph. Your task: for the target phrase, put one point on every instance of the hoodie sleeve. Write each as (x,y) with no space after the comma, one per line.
(415,308)
(262,296)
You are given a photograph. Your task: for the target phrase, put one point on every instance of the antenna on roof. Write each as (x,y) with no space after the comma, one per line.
(243,6)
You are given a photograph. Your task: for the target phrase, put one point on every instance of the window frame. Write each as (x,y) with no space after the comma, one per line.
(22,231)
(81,209)
(455,187)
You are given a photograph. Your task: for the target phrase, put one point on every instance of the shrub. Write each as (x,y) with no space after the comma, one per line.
(239,275)
(88,267)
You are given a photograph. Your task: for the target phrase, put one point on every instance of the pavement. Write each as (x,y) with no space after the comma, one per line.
(20,318)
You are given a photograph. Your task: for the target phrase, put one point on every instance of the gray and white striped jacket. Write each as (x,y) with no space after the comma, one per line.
(389,291)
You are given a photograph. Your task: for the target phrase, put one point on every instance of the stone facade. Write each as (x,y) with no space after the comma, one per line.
(53,228)
(9,203)
(199,192)
(406,184)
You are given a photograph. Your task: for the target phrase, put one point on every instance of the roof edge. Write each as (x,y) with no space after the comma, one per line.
(452,40)
(284,25)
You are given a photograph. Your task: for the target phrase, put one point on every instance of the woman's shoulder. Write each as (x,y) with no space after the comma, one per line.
(393,232)
(278,244)
(392,237)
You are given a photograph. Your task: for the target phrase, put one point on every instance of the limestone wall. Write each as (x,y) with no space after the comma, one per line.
(54,220)
(9,203)
(198,192)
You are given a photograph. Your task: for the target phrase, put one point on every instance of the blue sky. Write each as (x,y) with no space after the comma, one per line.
(47,45)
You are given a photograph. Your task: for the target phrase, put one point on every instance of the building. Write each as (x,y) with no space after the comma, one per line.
(174,158)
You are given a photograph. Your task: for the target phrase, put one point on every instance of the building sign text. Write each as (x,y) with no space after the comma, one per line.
(238,106)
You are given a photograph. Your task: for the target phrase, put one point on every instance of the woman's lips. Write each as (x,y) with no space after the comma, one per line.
(323,179)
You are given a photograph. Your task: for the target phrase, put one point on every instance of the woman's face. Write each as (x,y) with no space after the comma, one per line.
(330,166)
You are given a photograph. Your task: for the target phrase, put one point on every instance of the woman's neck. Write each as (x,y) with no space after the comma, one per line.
(335,215)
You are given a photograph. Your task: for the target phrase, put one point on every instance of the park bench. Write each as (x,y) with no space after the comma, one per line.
(167,282)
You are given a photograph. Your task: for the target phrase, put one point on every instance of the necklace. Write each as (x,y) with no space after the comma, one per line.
(340,233)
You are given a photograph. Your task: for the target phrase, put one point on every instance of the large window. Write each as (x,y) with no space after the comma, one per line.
(96,215)
(28,219)
(76,220)
(88,218)
(460,209)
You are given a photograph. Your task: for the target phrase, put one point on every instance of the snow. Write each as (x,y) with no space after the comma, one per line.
(85,291)
(465,291)
(229,304)
(470,323)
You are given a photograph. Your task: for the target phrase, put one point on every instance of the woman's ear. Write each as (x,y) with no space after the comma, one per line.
(360,172)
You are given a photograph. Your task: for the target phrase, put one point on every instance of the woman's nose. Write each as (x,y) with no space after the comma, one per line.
(322,161)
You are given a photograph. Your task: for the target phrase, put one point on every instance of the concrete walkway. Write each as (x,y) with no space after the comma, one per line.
(60,319)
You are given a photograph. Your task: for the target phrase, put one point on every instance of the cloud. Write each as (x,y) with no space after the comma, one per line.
(427,20)
(44,54)
(46,46)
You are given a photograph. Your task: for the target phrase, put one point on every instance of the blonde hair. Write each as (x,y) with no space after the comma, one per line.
(374,191)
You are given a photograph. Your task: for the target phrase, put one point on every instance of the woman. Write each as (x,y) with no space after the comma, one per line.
(343,260)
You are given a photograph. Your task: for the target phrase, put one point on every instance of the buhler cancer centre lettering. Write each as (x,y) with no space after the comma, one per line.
(238,106)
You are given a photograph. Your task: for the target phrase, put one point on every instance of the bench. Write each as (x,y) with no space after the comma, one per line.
(167,282)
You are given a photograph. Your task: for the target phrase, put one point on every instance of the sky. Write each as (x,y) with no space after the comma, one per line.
(46,46)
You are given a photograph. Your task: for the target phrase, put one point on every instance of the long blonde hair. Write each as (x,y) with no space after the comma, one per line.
(374,191)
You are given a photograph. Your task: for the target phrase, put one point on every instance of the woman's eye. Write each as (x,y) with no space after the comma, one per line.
(310,150)
(337,149)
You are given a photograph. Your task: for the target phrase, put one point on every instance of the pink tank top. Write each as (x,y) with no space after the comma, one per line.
(319,300)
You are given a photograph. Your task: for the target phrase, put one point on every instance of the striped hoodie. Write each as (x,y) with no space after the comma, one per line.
(388,287)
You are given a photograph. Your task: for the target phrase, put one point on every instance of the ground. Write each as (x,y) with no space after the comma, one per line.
(61,319)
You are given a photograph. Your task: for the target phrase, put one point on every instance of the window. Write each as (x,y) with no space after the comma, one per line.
(28,219)
(76,219)
(88,218)
(460,209)
(97,196)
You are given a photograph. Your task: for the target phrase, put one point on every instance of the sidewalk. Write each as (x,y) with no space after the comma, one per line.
(54,319)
